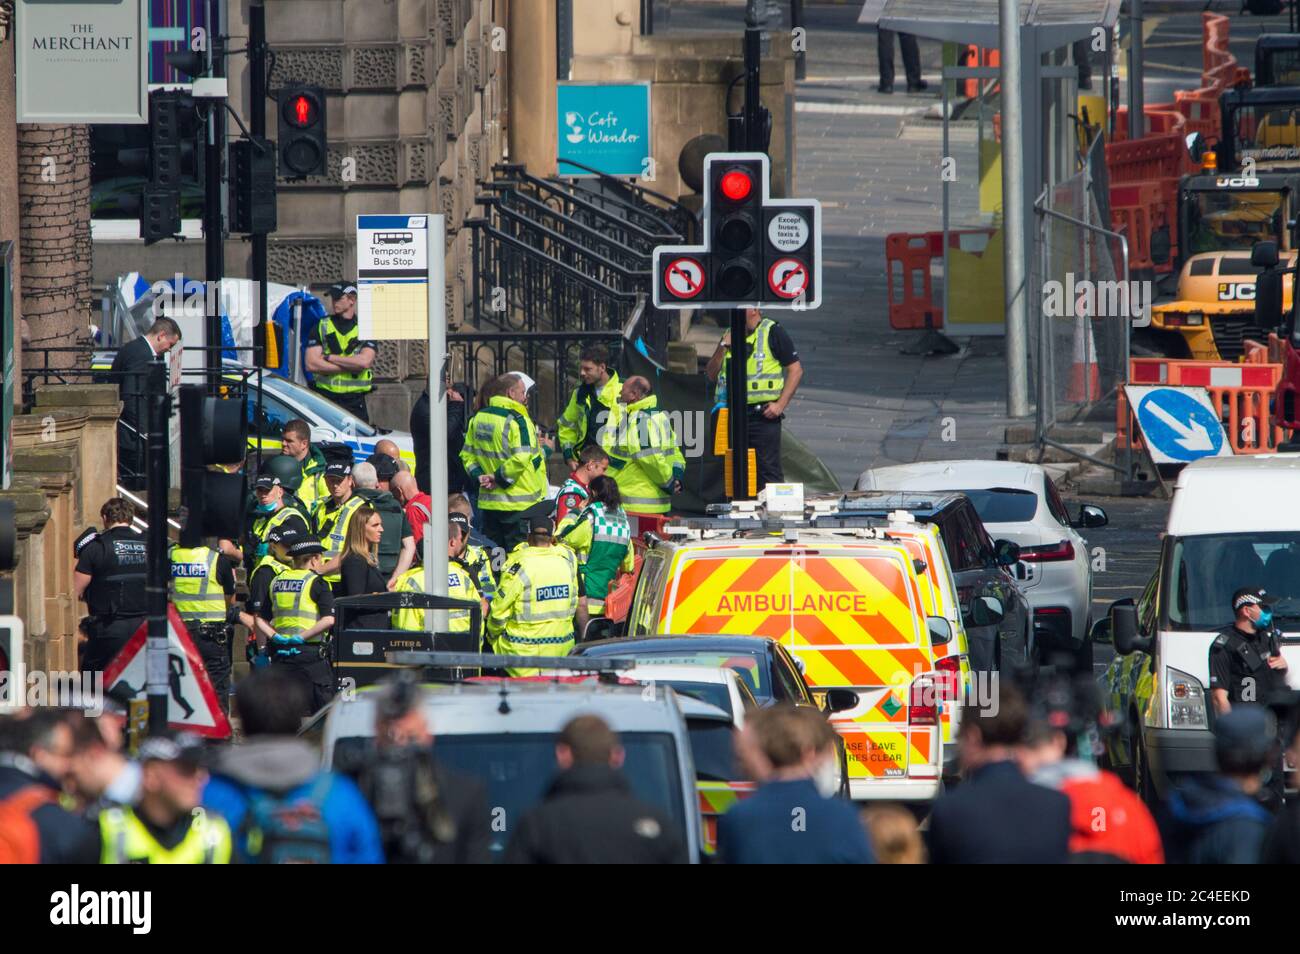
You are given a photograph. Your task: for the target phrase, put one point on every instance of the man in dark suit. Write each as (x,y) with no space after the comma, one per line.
(996,815)
(457,482)
(130,373)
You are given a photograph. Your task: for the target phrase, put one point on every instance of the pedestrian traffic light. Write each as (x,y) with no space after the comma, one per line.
(757,251)
(252,186)
(214,432)
(302,131)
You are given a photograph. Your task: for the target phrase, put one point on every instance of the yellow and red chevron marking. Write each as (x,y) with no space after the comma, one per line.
(716,798)
(878,753)
(886,753)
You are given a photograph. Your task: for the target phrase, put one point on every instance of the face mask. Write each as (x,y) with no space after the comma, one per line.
(826,778)
(266,508)
(1265,618)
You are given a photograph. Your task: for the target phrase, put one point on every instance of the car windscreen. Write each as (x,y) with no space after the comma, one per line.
(713,749)
(750,666)
(518,769)
(1000,505)
(713,693)
(1206,570)
(325,410)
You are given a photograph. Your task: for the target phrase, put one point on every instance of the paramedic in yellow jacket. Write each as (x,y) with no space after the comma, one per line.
(644,458)
(537,599)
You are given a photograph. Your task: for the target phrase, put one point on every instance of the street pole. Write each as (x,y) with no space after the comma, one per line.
(157,684)
(1013,209)
(435,531)
(213,219)
(1136,102)
(737,390)
(257,122)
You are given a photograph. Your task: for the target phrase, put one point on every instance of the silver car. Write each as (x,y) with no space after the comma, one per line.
(504,730)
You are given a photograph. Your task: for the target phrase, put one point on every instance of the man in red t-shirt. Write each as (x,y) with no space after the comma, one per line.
(592,462)
(418,506)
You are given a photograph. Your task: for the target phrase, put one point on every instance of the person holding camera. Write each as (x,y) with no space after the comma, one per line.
(427,814)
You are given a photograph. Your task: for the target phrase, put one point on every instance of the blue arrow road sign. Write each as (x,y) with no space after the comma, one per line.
(1178,426)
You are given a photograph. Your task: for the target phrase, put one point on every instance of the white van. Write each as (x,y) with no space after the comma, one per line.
(1233,523)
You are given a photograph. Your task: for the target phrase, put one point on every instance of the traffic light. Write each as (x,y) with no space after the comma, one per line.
(160,204)
(757,250)
(736,191)
(214,431)
(302,131)
(252,186)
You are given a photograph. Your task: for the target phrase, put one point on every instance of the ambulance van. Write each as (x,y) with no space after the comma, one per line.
(859,603)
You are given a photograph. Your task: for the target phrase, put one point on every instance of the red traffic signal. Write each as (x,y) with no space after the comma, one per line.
(301,140)
(736,185)
(302,110)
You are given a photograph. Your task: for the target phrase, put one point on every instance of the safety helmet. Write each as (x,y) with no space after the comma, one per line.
(286,468)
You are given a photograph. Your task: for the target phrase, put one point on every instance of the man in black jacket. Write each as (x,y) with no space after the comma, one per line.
(427,813)
(129,372)
(997,816)
(35,758)
(457,482)
(589,814)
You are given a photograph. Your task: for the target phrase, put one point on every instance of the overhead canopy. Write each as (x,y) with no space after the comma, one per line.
(1054,22)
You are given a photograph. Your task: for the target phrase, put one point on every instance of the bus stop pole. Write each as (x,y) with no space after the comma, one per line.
(435,531)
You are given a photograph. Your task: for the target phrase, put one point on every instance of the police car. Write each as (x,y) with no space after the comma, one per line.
(283,400)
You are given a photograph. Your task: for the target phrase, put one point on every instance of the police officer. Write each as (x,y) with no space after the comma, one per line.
(295,442)
(166,826)
(273,510)
(460,585)
(339,359)
(297,620)
(264,574)
(503,453)
(537,598)
(1246,666)
(772,375)
(110,576)
(203,590)
(331,516)
(478,560)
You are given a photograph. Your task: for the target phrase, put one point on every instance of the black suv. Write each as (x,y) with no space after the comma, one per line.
(994,610)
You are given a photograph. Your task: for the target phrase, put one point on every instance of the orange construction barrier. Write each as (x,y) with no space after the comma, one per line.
(908,261)
(1137,209)
(1243,394)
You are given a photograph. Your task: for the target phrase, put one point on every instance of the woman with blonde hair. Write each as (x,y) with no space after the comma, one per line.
(359,569)
(894,835)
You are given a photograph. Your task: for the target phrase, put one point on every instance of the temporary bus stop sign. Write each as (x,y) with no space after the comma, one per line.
(393,277)
(1179,424)
(82,61)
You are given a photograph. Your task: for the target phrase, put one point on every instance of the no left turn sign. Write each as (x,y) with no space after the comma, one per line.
(788,277)
(684,277)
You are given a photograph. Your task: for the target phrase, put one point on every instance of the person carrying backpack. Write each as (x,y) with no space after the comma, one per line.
(35,758)
(280,806)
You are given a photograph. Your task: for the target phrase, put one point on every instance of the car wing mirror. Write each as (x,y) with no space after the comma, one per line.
(940,630)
